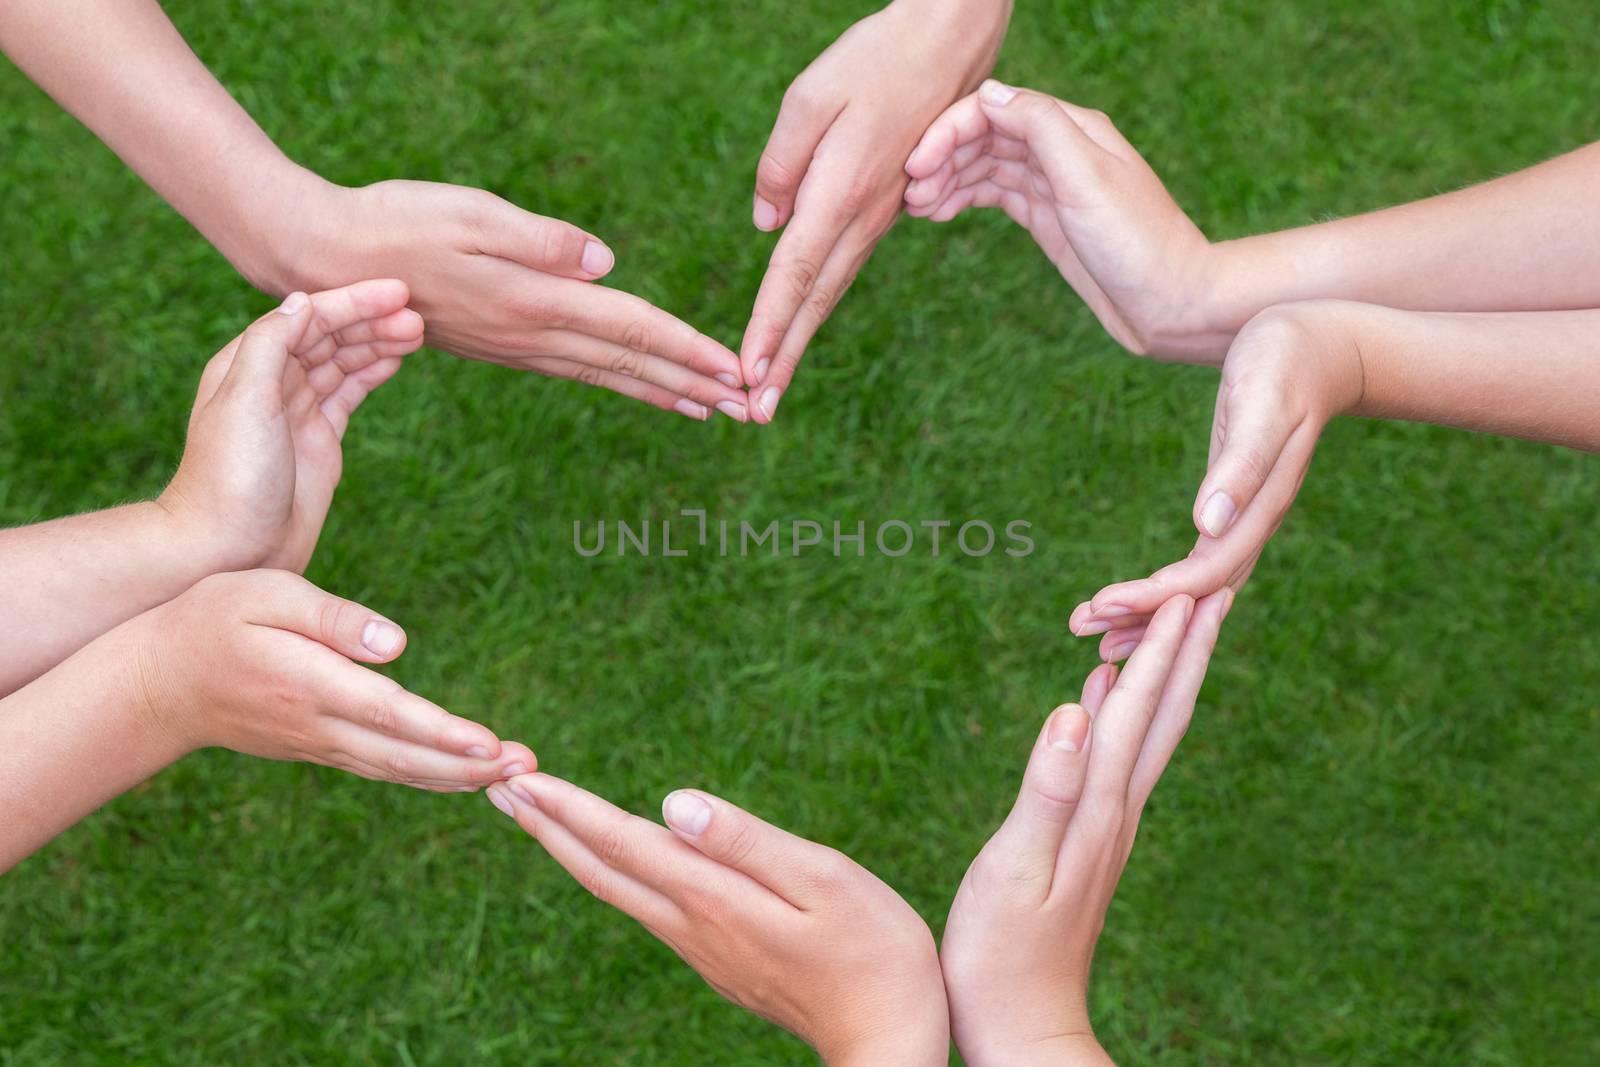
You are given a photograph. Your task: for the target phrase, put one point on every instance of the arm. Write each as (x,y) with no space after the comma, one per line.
(832,171)
(1524,374)
(258,474)
(1022,931)
(1527,241)
(789,929)
(494,282)
(260,662)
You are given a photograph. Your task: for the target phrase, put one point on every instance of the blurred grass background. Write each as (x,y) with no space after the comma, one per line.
(1377,845)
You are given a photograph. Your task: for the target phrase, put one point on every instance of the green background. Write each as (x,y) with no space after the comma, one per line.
(1378,843)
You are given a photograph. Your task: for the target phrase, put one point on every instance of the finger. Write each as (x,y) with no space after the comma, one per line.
(391,333)
(286,601)
(1030,838)
(262,355)
(1176,705)
(1096,686)
(338,406)
(1124,718)
(701,392)
(328,376)
(603,882)
(925,192)
(1119,644)
(1217,561)
(339,309)
(640,326)
(385,758)
(782,862)
(962,122)
(1065,153)
(381,705)
(1086,623)
(801,124)
(503,229)
(1253,436)
(590,375)
(837,273)
(796,262)
(644,851)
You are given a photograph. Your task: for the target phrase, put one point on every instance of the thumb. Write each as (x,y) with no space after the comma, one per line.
(733,837)
(798,130)
(287,601)
(1252,432)
(545,244)
(262,351)
(1030,838)
(1064,151)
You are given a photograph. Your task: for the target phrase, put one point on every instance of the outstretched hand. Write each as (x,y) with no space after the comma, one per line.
(792,930)
(832,169)
(1092,204)
(1024,924)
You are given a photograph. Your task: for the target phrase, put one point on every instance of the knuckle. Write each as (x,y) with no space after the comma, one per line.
(638,336)
(628,363)
(398,765)
(331,616)
(588,375)
(774,175)
(858,194)
(598,883)
(611,846)
(801,274)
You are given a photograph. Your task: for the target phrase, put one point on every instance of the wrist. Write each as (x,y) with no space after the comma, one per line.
(926,1046)
(153,696)
(285,232)
(192,534)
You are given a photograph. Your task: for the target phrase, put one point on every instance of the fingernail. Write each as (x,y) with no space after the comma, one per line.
(766,215)
(733,411)
(769,400)
(523,794)
(1122,651)
(693,410)
(1111,611)
(996,93)
(597,258)
(686,812)
(1218,513)
(1068,728)
(727,379)
(500,800)
(293,303)
(514,769)
(761,370)
(1089,629)
(477,752)
(380,638)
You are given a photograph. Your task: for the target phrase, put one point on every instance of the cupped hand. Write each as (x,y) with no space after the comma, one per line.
(1091,202)
(1290,370)
(832,171)
(791,930)
(260,662)
(500,284)
(263,457)
(1024,924)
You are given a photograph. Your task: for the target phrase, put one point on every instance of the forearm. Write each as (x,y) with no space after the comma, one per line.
(1529,241)
(72,740)
(122,68)
(70,580)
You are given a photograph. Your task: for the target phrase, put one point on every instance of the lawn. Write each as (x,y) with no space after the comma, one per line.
(1378,843)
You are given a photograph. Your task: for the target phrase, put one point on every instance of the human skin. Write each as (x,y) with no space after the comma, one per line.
(1020,938)
(1293,368)
(494,282)
(258,473)
(791,930)
(832,175)
(260,662)
(1527,241)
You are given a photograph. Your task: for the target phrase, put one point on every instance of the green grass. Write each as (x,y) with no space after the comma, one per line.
(1378,843)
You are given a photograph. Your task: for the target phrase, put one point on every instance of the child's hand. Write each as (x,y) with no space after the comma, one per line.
(1024,924)
(263,458)
(1290,370)
(1091,202)
(259,662)
(791,930)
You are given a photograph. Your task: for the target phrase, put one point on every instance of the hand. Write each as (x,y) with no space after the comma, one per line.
(833,167)
(259,662)
(262,458)
(1290,370)
(1092,204)
(791,930)
(1024,924)
(502,285)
